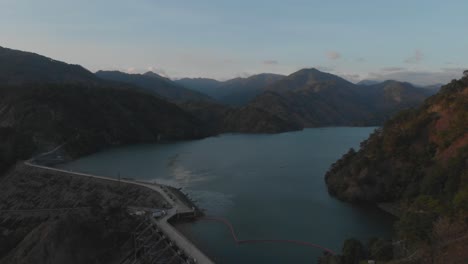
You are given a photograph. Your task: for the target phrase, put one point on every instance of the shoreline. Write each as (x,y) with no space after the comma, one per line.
(181,206)
(391,208)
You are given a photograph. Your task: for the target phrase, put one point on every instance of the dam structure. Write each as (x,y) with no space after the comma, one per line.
(154,231)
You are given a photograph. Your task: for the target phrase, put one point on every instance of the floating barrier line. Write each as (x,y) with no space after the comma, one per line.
(246,241)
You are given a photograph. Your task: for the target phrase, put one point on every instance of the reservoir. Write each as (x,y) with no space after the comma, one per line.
(267,186)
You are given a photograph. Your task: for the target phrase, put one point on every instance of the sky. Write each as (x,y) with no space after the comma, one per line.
(424,42)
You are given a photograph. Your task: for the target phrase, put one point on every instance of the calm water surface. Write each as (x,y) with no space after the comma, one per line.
(268,186)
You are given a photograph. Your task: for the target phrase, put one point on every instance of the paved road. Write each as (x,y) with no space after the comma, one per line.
(177,207)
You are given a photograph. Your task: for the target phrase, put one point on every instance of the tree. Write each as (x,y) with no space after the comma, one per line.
(353,251)
(380,249)
(465,73)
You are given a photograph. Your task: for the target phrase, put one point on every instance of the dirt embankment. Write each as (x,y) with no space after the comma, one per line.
(97,233)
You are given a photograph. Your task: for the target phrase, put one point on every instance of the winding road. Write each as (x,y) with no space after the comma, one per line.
(178,207)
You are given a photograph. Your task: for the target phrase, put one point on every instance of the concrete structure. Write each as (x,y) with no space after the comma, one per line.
(179,208)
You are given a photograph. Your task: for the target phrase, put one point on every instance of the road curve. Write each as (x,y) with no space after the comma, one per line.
(177,207)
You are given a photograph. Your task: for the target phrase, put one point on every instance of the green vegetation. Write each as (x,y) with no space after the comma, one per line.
(355,252)
(419,161)
(156,85)
(16,145)
(312,98)
(234,92)
(19,68)
(87,118)
(45,103)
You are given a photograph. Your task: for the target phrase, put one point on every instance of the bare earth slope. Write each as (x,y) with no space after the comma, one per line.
(97,234)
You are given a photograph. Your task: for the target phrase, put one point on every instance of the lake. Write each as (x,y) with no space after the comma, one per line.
(267,186)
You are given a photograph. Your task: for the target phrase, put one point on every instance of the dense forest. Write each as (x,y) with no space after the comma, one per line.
(87,118)
(418,161)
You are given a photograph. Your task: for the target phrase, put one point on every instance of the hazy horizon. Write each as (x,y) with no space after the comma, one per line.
(422,44)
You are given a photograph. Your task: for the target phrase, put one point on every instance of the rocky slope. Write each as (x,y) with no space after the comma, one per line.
(98,234)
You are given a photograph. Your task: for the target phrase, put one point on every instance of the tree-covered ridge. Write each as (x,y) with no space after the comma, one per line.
(45,103)
(88,117)
(156,85)
(311,98)
(410,147)
(419,162)
(20,67)
(233,92)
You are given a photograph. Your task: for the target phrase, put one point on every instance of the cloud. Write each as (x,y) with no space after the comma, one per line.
(159,71)
(324,68)
(270,62)
(417,57)
(392,69)
(131,70)
(453,70)
(360,59)
(351,77)
(444,75)
(243,74)
(333,55)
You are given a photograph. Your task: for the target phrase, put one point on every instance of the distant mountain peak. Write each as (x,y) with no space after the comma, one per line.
(266,74)
(153,74)
(156,84)
(306,71)
(387,82)
(309,79)
(20,67)
(367,82)
(313,75)
(238,91)
(197,79)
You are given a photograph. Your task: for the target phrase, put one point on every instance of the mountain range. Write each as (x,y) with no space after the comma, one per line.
(20,67)
(34,118)
(47,102)
(234,92)
(417,162)
(219,117)
(156,85)
(312,98)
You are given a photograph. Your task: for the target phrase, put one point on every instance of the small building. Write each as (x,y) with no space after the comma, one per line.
(138,213)
(158,213)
